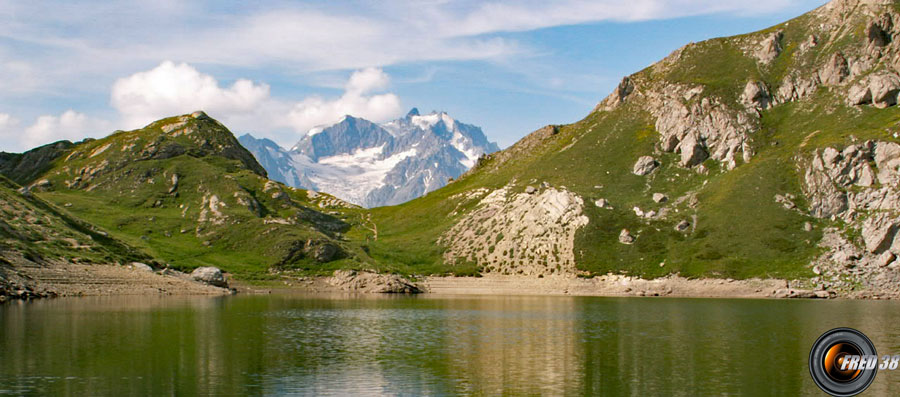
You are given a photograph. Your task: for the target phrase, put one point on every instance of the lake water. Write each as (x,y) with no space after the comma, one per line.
(426,345)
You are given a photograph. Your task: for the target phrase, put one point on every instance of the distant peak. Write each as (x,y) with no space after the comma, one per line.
(412,112)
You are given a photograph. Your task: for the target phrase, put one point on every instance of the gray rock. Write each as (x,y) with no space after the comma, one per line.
(807,227)
(880,90)
(835,71)
(42,185)
(878,233)
(770,47)
(141,267)
(369,282)
(645,165)
(682,226)
(601,203)
(530,190)
(692,151)
(884,88)
(756,95)
(887,159)
(210,275)
(885,258)
(660,198)
(625,237)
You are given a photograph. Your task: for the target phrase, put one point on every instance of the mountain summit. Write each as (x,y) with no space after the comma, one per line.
(376,164)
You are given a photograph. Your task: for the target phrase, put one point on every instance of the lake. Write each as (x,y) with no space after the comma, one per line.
(300,344)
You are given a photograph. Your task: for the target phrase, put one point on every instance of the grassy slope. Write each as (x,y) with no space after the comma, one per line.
(37,231)
(131,200)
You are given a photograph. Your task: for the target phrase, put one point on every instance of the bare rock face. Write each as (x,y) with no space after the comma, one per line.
(518,233)
(756,95)
(769,48)
(644,165)
(835,71)
(210,275)
(842,184)
(369,282)
(725,132)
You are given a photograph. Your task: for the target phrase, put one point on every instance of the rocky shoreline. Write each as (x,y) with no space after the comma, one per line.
(137,279)
(63,279)
(610,285)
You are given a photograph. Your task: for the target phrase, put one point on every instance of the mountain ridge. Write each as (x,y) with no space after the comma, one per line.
(377,164)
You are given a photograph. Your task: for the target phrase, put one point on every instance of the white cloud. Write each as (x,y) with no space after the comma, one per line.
(170,89)
(316,111)
(69,125)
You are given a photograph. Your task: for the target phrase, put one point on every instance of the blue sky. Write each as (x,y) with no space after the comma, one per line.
(276,69)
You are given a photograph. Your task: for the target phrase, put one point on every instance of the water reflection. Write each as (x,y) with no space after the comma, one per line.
(427,345)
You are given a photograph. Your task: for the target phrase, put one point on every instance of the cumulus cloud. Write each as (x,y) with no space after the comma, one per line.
(171,88)
(355,101)
(70,125)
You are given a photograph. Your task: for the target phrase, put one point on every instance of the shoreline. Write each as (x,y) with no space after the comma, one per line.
(73,280)
(601,286)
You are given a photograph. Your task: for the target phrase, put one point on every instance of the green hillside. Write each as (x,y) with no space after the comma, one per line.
(738,229)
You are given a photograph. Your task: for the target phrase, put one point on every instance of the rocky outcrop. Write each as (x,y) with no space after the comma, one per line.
(710,128)
(794,88)
(880,90)
(769,48)
(644,165)
(622,91)
(518,233)
(210,275)
(756,95)
(842,185)
(835,71)
(370,282)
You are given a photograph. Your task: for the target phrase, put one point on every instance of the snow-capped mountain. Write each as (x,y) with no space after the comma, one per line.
(376,164)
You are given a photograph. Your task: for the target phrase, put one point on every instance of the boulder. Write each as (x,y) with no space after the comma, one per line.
(835,71)
(756,95)
(210,275)
(878,233)
(42,185)
(322,251)
(692,151)
(769,47)
(887,159)
(530,190)
(885,258)
(645,165)
(141,267)
(625,237)
(660,198)
(884,88)
(682,226)
(880,90)
(601,203)
(370,282)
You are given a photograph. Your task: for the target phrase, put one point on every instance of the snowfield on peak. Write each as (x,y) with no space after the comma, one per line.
(376,164)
